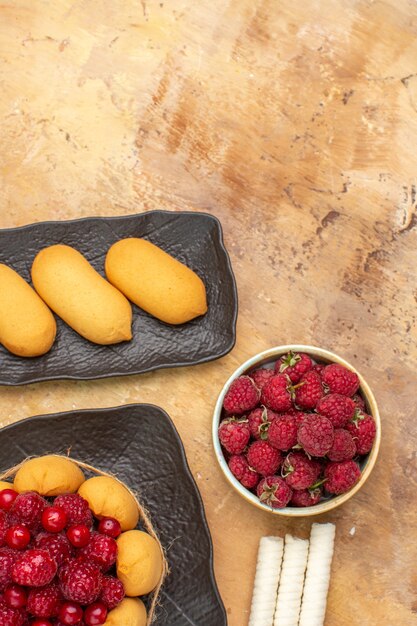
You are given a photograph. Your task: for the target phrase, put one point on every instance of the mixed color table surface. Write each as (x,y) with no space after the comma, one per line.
(294,123)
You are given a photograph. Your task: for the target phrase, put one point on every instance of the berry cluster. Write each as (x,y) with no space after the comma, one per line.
(294,433)
(56,561)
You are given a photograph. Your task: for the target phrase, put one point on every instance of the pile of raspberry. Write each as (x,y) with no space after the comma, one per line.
(295,433)
(56,561)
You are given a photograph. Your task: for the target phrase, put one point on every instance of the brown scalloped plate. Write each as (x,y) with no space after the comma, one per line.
(140,445)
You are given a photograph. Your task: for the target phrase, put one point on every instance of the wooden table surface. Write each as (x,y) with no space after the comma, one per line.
(294,122)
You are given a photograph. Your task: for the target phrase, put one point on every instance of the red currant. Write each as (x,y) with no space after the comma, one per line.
(17,537)
(7,497)
(109,526)
(79,535)
(95,614)
(15,596)
(41,622)
(54,519)
(70,613)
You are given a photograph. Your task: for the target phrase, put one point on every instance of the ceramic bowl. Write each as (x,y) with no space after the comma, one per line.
(367,462)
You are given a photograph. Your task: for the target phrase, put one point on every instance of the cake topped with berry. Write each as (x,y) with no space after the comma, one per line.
(70,553)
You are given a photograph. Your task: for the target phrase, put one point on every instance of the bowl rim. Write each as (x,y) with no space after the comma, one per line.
(257,361)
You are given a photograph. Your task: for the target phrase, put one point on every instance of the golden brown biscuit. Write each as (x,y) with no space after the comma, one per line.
(130,612)
(80,296)
(27,326)
(139,562)
(49,475)
(107,497)
(155,281)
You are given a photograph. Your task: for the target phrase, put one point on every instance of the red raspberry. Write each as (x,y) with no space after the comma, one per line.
(44,602)
(3,527)
(292,410)
(363,430)
(241,470)
(34,568)
(57,545)
(234,434)
(27,510)
(359,402)
(337,408)
(76,509)
(318,367)
(294,365)
(339,379)
(263,458)
(101,550)
(261,376)
(306,497)
(7,560)
(259,420)
(112,592)
(282,433)
(341,476)
(300,416)
(242,395)
(309,390)
(315,435)
(299,471)
(80,581)
(11,617)
(274,491)
(276,393)
(343,448)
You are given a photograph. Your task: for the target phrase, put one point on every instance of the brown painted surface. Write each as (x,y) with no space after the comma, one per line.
(295,123)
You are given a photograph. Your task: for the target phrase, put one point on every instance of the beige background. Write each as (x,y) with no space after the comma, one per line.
(295,123)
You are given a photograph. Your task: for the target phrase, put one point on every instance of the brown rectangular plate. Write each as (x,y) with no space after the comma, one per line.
(193,238)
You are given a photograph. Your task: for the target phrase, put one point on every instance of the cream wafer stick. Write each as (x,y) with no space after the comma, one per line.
(268,569)
(316,586)
(291,583)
